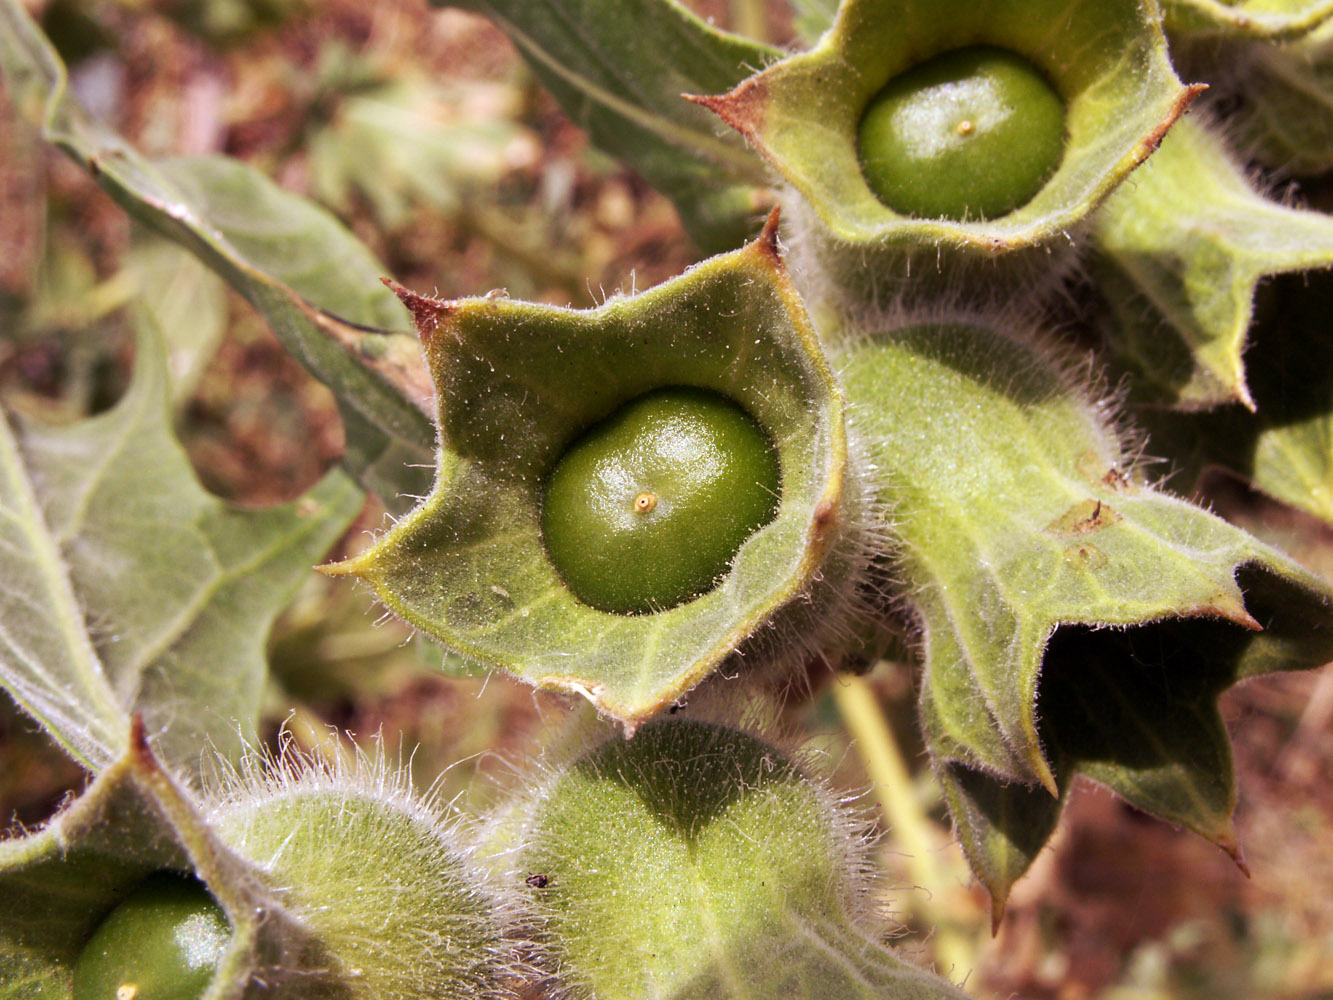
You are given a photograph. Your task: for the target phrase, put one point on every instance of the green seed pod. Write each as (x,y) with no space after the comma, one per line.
(853,125)
(374,874)
(699,861)
(970,134)
(671,484)
(162,942)
(304,882)
(514,563)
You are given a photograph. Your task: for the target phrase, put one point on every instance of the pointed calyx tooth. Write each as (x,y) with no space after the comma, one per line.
(741,108)
(767,240)
(427,312)
(140,749)
(1236,853)
(1153,139)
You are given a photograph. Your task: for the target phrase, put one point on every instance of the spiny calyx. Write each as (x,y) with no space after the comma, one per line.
(514,560)
(959,127)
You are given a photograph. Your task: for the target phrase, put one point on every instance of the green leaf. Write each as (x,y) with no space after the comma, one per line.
(313,282)
(696,861)
(1107,60)
(516,383)
(813,18)
(187,302)
(1261,19)
(1285,446)
(1274,92)
(1181,251)
(619,70)
(1031,549)
(1136,711)
(131,589)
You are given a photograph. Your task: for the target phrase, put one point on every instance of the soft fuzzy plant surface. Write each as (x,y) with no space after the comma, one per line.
(978,413)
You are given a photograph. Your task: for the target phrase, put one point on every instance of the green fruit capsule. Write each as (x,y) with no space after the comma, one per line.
(647,509)
(163,942)
(970,134)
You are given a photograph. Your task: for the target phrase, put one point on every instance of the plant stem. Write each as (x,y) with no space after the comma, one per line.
(748,19)
(908,824)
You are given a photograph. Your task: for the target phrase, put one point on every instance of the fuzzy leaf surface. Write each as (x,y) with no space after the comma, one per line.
(1275,20)
(697,862)
(286,856)
(1285,446)
(619,71)
(1136,711)
(1182,251)
(1107,60)
(997,460)
(129,588)
(187,302)
(516,383)
(314,283)
(1275,95)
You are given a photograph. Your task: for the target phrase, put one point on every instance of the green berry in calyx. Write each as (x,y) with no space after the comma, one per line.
(162,942)
(973,133)
(647,509)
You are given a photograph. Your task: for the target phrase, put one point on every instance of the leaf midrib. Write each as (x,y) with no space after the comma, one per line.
(67,612)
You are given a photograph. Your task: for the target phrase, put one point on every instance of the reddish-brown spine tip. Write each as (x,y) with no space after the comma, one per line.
(824,518)
(767,240)
(710,101)
(742,108)
(139,748)
(1154,139)
(1236,854)
(426,311)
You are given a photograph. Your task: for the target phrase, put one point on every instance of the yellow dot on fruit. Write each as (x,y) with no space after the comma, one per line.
(965,127)
(126,991)
(645,502)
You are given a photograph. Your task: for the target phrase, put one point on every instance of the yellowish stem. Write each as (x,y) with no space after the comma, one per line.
(748,19)
(909,827)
